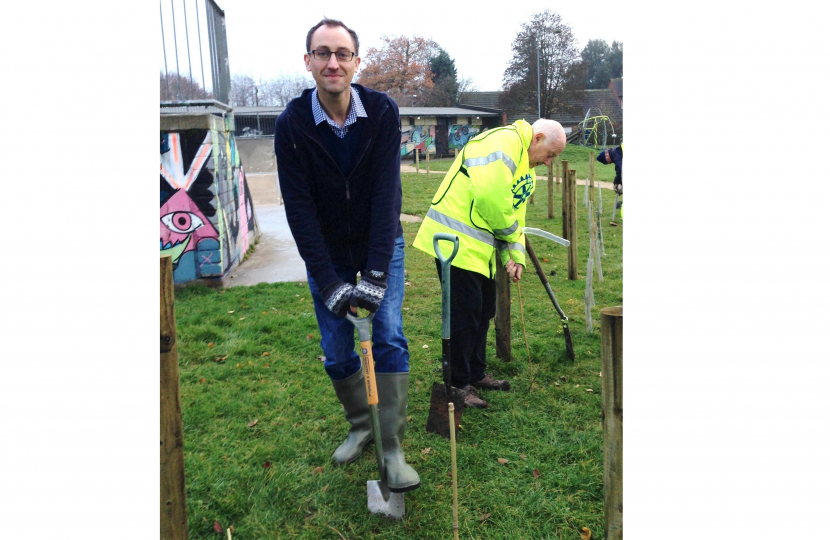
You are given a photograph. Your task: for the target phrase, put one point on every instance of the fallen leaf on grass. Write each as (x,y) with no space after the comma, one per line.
(503,461)
(426,346)
(310,336)
(406,309)
(252,423)
(266,464)
(210,345)
(231,311)
(221,359)
(556,384)
(523,456)
(232,529)
(536,473)
(321,358)
(241,318)
(266,353)
(217,528)
(577,386)
(202,380)
(317,470)
(483,517)
(585,533)
(544,260)
(325,488)
(449,473)
(426,450)
(589,390)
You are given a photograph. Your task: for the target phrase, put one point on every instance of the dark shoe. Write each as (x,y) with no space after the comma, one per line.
(471,398)
(393,398)
(489,383)
(351,392)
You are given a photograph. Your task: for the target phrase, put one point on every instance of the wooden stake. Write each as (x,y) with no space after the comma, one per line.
(591,178)
(502,319)
(612,428)
(524,332)
(550,191)
(557,178)
(173,506)
(454,473)
(573,271)
(565,207)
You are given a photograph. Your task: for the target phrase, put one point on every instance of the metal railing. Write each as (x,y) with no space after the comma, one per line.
(183,62)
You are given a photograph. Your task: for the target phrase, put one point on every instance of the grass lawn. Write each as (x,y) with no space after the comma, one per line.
(261,419)
(577,156)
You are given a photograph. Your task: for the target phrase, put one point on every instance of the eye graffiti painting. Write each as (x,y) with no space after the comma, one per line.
(207,220)
(186,197)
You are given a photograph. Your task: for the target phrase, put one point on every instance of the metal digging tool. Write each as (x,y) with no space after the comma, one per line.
(443,394)
(381,500)
(569,346)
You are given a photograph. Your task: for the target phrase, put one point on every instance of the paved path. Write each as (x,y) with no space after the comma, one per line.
(276,258)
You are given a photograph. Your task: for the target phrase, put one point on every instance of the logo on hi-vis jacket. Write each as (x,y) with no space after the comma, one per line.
(522,190)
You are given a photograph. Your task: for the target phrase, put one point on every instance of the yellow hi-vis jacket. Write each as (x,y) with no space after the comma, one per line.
(483,200)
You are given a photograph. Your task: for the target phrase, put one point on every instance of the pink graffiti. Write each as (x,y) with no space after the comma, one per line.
(182,222)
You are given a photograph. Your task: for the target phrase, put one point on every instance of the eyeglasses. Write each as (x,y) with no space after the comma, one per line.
(323,55)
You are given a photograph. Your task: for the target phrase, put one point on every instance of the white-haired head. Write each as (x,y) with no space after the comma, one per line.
(548,141)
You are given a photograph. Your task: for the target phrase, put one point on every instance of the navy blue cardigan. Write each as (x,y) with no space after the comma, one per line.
(350,221)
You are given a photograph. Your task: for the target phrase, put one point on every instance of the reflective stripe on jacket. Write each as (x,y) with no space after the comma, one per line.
(483,200)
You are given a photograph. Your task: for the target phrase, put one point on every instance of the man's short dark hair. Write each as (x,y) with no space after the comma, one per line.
(332,22)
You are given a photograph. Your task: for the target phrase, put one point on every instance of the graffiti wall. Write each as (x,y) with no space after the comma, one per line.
(207,217)
(459,135)
(420,137)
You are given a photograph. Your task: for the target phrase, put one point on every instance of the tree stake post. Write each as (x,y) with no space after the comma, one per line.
(173,506)
(550,191)
(612,410)
(573,272)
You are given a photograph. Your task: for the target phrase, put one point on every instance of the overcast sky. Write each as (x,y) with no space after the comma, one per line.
(266,37)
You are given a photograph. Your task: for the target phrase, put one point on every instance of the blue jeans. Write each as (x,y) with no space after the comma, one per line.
(389,346)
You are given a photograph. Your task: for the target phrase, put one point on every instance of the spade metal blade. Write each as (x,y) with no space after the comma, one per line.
(438,420)
(393,507)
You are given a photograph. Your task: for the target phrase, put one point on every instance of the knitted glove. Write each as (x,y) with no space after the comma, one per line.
(336,297)
(369,291)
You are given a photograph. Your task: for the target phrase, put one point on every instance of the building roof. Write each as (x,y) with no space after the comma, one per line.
(443,111)
(616,86)
(480,99)
(270,111)
(603,102)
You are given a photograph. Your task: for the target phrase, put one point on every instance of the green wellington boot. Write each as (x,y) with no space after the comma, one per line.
(351,392)
(393,395)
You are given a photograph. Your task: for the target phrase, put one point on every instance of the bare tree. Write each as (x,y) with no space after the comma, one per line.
(466,84)
(243,93)
(177,87)
(279,91)
(561,72)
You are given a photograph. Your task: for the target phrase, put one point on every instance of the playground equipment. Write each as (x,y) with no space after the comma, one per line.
(595,130)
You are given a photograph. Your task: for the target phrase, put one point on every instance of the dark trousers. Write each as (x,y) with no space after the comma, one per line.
(472,305)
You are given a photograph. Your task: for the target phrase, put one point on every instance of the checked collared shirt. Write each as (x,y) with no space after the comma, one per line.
(355,110)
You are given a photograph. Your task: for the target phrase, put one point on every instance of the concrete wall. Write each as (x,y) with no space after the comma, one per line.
(260,169)
(207,219)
